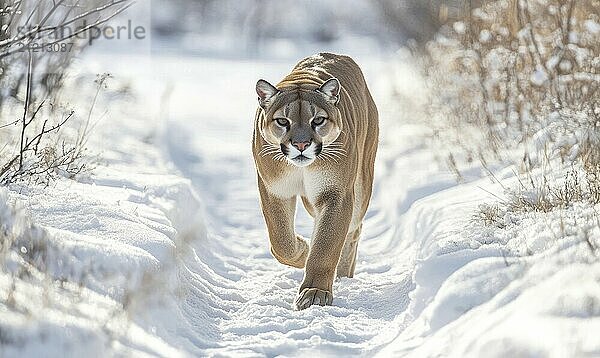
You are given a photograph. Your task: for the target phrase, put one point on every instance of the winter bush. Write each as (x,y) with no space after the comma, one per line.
(517,81)
(518,77)
(38,40)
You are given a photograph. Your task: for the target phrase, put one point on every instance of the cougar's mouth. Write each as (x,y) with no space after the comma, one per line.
(301,160)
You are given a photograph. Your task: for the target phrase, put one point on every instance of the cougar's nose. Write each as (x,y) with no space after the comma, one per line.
(301,145)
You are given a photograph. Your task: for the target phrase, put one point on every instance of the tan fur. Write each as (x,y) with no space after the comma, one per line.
(335,189)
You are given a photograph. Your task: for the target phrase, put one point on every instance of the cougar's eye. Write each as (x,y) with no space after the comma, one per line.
(318,121)
(282,122)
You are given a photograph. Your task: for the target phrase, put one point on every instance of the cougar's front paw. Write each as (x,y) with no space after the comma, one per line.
(313,296)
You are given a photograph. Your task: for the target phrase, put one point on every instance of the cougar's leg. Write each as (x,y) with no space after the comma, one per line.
(286,246)
(347,262)
(331,228)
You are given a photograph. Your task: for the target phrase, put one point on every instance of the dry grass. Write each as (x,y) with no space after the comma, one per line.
(518,82)
(512,76)
(33,147)
(580,185)
(490,215)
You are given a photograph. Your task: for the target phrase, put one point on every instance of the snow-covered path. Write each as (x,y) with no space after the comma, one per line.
(210,143)
(168,255)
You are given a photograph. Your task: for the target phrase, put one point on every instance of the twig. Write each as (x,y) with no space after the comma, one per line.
(27,98)
(10,124)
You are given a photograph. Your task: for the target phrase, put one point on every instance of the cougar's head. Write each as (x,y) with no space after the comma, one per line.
(298,124)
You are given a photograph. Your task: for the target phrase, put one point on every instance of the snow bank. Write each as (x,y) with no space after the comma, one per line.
(50,306)
(529,288)
(94,266)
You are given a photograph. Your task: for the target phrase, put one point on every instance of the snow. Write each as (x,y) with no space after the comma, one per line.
(539,77)
(459,27)
(592,26)
(499,286)
(163,249)
(485,36)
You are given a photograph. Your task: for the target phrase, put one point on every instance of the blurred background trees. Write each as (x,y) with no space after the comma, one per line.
(268,26)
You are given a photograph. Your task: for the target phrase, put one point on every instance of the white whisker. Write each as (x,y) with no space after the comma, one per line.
(269,152)
(334,156)
(339,154)
(335,144)
(335,151)
(269,149)
(326,156)
(335,160)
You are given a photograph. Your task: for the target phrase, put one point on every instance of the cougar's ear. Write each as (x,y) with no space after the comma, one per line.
(265,91)
(331,89)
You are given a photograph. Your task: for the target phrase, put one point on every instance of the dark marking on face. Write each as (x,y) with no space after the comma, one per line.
(318,149)
(284,149)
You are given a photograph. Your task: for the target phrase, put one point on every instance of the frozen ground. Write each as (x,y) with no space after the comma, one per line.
(169,225)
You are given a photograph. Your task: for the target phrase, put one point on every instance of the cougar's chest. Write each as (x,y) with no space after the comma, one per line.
(300,182)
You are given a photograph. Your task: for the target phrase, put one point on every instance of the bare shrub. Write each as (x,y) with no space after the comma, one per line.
(21,239)
(490,215)
(31,28)
(41,153)
(32,78)
(517,75)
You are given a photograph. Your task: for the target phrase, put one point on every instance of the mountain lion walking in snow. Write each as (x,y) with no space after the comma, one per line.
(315,136)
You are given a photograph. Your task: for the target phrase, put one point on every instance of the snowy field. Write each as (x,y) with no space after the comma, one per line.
(162,249)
